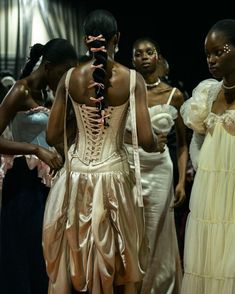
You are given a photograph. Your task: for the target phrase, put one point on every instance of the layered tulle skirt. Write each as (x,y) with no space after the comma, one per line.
(210,232)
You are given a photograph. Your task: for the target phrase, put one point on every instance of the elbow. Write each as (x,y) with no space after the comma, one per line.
(150,145)
(52,139)
(49,140)
(149,148)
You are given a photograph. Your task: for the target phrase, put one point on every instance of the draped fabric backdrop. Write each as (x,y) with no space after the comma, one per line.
(62,18)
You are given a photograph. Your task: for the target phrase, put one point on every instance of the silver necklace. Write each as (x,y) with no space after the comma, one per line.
(228,87)
(154,84)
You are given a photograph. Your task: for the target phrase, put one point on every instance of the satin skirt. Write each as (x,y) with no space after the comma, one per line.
(93,235)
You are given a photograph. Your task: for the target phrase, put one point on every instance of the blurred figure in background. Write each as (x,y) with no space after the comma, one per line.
(164,269)
(26,162)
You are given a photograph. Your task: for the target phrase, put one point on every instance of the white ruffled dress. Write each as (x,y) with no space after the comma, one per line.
(209,256)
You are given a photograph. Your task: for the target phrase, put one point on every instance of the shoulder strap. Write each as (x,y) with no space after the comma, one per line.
(171,95)
(67,79)
(134,137)
(67,163)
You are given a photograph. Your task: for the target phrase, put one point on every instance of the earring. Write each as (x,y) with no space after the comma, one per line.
(116,49)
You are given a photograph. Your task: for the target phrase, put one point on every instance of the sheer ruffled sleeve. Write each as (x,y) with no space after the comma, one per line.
(195,147)
(195,110)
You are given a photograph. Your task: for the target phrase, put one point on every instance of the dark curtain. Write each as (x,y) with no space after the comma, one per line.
(24,12)
(64,19)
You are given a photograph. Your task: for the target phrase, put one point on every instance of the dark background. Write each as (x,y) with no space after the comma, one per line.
(179,29)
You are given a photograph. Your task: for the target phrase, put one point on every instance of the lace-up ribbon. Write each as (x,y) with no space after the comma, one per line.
(95,127)
(95,38)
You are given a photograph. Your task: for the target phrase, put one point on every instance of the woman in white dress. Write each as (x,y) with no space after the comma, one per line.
(210,234)
(163,271)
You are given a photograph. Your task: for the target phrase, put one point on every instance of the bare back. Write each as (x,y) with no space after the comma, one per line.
(116,84)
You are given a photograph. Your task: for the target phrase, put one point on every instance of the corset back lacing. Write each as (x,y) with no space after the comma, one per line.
(95,129)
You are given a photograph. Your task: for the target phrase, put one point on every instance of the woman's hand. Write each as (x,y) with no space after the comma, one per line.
(51,158)
(179,195)
(161,142)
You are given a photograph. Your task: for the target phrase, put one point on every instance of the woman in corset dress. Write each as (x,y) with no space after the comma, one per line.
(163,273)
(93,235)
(25,183)
(209,255)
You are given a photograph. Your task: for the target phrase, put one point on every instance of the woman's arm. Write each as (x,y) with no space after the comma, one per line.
(182,151)
(147,139)
(17,100)
(55,126)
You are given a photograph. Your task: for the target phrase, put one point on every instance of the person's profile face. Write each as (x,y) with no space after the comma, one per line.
(220,54)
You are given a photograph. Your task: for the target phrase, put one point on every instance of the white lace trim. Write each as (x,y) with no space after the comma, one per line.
(227,118)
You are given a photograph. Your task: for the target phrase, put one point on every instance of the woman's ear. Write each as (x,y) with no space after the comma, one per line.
(133,63)
(88,51)
(118,37)
(47,66)
(115,39)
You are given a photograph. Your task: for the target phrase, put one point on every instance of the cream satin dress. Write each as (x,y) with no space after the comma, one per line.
(93,235)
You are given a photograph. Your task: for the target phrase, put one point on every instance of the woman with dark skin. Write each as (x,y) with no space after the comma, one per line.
(210,232)
(23,193)
(164,272)
(93,232)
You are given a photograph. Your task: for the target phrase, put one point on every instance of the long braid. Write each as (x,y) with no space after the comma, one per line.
(100,27)
(98,48)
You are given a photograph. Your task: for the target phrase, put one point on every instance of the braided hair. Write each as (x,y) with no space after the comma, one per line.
(99,26)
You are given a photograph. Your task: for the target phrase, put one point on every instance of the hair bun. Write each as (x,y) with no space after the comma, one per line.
(36,51)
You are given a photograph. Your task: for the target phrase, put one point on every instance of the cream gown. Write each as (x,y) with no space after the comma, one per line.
(163,274)
(209,256)
(93,227)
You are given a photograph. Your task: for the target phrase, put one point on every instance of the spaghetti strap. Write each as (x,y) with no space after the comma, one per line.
(134,137)
(67,78)
(171,95)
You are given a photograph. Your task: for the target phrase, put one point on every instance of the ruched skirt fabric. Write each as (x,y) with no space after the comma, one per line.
(93,235)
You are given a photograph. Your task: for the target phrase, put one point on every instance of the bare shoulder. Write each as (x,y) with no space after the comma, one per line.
(21,88)
(18,98)
(19,91)
(178,98)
